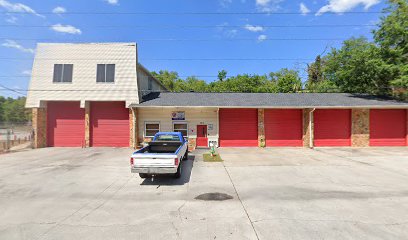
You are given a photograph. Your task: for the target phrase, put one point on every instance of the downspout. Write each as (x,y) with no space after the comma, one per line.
(134,135)
(218,127)
(311,134)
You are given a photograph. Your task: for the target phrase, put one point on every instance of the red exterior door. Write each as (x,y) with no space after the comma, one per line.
(202,140)
(109,124)
(238,127)
(283,127)
(388,127)
(65,124)
(332,127)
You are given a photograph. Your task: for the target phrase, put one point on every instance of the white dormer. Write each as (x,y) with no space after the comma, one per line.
(88,72)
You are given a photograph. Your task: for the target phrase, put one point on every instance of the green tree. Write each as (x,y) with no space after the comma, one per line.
(2,101)
(167,78)
(358,67)
(286,80)
(190,84)
(222,75)
(14,111)
(392,37)
(242,83)
(315,71)
(322,86)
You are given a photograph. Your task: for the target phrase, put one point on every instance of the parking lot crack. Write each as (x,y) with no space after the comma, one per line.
(179,210)
(239,199)
(108,199)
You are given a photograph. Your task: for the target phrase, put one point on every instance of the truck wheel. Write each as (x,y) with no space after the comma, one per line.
(185,156)
(178,173)
(143,175)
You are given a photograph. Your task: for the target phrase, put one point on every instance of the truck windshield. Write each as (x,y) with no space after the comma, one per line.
(168,138)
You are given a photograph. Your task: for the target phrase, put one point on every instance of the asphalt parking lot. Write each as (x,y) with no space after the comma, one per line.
(277,193)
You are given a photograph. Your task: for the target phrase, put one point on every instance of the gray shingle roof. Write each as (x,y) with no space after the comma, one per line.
(272,100)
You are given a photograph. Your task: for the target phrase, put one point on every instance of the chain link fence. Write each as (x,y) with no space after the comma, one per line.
(15,136)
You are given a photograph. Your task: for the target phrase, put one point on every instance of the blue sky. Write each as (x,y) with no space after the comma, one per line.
(222,36)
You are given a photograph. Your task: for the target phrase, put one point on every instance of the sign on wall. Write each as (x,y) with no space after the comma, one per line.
(210,127)
(178,116)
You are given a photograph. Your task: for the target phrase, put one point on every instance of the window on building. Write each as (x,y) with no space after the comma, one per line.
(151,128)
(63,73)
(149,84)
(105,73)
(181,127)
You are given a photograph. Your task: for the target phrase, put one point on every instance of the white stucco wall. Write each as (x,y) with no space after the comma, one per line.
(84,87)
(193,116)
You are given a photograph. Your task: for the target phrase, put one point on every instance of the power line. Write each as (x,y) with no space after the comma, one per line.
(187,39)
(201,26)
(187,13)
(10,89)
(179,76)
(163,59)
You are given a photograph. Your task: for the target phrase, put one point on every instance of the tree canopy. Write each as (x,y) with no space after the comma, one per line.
(13,110)
(358,66)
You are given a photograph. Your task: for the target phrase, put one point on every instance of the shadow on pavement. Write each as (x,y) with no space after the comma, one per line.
(168,180)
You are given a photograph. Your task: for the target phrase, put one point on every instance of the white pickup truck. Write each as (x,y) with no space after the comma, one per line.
(162,156)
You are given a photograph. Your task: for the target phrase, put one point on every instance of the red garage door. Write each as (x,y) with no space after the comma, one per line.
(283,127)
(238,127)
(388,127)
(65,124)
(332,127)
(109,124)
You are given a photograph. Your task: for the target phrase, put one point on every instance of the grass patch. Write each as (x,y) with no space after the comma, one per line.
(208,158)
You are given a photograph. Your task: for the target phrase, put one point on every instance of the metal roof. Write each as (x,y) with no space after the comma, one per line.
(268,100)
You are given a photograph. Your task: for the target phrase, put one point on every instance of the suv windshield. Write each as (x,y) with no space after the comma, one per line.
(168,138)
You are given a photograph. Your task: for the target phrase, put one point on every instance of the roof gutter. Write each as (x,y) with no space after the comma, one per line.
(278,107)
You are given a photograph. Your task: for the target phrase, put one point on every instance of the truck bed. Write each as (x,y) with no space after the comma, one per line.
(161,147)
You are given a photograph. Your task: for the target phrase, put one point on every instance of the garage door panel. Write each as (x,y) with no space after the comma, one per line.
(109,124)
(238,127)
(65,124)
(283,127)
(388,127)
(332,127)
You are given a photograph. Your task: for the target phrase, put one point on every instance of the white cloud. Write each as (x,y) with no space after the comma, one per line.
(225,31)
(339,6)
(225,3)
(65,29)
(13,44)
(253,28)
(112,2)
(18,7)
(26,72)
(303,9)
(262,38)
(12,19)
(59,10)
(268,5)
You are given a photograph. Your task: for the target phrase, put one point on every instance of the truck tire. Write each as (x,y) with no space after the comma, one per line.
(178,173)
(185,156)
(143,175)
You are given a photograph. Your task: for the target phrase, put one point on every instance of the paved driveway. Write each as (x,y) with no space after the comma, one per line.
(278,193)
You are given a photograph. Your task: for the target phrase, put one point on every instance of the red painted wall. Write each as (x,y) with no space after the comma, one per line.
(332,127)
(283,127)
(65,124)
(109,124)
(388,127)
(238,127)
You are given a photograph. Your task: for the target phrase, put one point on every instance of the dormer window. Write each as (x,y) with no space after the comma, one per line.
(63,73)
(105,73)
